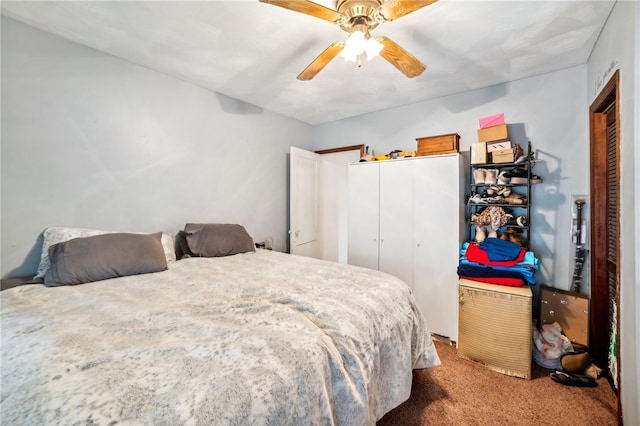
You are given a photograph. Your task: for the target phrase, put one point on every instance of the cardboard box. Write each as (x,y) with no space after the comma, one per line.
(479,153)
(494,326)
(567,308)
(498,146)
(441,144)
(502,156)
(492,120)
(495,133)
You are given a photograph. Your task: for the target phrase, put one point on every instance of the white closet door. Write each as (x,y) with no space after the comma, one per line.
(439,230)
(364,205)
(396,219)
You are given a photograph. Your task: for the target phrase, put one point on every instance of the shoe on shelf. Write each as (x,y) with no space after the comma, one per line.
(477,199)
(535,179)
(504,178)
(491,199)
(478,176)
(510,235)
(493,189)
(481,235)
(491,176)
(518,221)
(519,156)
(518,199)
(519,176)
(504,192)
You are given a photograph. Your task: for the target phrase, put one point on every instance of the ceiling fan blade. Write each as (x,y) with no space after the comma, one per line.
(309,8)
(400,58)
(394,9)
(321,61)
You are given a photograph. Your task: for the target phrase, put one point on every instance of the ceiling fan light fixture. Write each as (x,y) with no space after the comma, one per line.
(373,48)
(358,43)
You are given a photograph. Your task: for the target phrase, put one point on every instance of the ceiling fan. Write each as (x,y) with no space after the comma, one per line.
(358,18)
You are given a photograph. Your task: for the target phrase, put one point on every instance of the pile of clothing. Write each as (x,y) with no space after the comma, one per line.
(497,261)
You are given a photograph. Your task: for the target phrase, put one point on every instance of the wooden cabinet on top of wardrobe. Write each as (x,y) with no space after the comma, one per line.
(406,218)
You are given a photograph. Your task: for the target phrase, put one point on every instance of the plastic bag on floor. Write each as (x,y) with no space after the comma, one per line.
(549,344)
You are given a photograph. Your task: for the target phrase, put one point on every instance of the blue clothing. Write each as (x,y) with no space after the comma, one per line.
(500,250)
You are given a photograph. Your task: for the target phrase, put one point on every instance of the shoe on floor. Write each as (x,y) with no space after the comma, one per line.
(574,362)
(579,380)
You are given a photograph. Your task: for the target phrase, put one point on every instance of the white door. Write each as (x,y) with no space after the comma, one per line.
(304,198)
(396,219)
(439,230)
(334,204)
(364,205)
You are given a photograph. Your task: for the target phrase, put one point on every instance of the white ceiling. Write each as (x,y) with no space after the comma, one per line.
(253,51)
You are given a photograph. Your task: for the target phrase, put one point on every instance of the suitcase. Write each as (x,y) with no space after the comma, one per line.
(567,308)
(495,326)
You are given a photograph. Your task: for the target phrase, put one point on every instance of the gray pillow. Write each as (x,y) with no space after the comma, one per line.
(83,260)
(217,239)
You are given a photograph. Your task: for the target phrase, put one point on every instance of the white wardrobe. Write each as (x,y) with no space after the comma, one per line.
(406,218)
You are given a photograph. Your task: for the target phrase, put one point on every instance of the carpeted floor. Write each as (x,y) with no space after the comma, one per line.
(462,392)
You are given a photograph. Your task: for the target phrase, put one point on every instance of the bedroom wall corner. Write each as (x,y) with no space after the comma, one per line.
(91,140)
(549,110)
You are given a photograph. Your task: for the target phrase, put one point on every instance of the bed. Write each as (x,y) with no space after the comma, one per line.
(257,337)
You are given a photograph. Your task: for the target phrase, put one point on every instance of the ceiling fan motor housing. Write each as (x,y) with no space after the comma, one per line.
(359,12)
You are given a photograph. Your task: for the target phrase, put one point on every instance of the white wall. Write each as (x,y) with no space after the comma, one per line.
(549,110)
(617,49)
(95,141)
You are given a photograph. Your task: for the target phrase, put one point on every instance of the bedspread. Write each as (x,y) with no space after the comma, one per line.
(256,338)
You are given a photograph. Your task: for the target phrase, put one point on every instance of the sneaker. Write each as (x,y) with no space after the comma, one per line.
(519,176)
(521,221)
(504,178)
(491,176)
(517,221)
(478,176)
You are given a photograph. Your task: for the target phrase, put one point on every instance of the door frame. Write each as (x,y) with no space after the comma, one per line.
(599,300)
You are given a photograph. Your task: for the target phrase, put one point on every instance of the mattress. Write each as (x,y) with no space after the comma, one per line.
(254,338)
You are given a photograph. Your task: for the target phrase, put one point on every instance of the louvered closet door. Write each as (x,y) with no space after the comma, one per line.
(612,239)
(604,302)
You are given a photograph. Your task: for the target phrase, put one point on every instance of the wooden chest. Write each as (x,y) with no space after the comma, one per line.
(494,326)
(441,144)
(567,308)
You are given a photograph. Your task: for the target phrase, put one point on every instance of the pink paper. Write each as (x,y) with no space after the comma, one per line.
(492,120)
